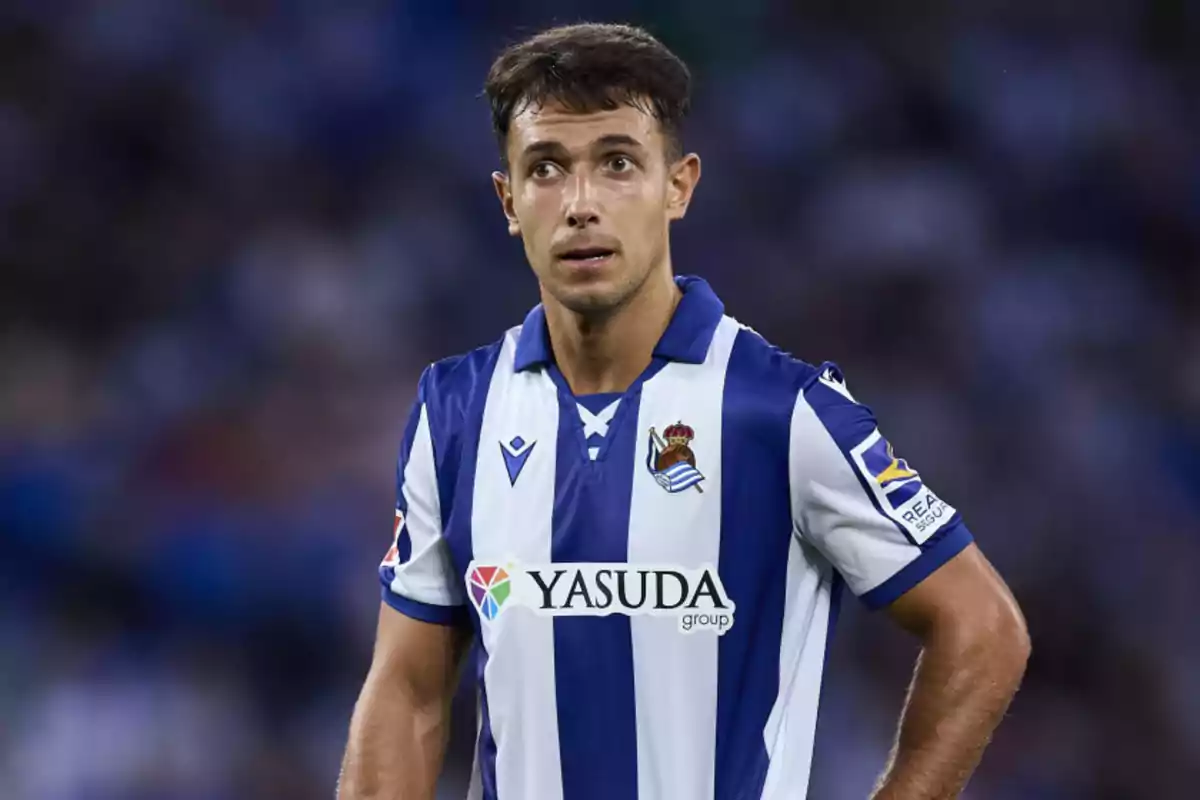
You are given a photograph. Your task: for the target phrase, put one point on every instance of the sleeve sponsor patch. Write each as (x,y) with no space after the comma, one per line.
(392,557)
(899,490)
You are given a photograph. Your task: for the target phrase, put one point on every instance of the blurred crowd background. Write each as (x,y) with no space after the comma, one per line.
(232,233)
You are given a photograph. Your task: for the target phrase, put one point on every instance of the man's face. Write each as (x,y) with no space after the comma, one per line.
(591,196)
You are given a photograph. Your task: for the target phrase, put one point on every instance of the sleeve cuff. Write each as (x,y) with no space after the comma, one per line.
(425,612)
(950,542)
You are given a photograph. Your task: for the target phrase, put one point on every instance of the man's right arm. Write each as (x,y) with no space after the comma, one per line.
(401,721)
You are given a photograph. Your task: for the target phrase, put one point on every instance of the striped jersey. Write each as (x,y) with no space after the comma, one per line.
(651,576)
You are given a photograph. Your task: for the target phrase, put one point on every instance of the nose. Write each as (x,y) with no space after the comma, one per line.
(581,207)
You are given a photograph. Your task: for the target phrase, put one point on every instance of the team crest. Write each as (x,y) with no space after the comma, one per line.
(672,462)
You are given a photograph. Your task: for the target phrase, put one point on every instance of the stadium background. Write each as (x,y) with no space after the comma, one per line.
(232,234)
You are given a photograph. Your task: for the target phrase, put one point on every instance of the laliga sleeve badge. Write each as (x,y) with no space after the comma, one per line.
(899,490)
(392,558)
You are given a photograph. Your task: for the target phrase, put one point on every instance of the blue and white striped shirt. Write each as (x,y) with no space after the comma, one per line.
(652,577)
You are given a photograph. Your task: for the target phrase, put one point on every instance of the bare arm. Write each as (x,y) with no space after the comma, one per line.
(974,649)
(401,721)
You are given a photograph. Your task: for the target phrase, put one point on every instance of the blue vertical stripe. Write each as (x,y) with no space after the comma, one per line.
(593,656)
(455,396)
(761,385)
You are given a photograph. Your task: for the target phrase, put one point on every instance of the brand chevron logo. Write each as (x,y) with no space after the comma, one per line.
(516,453)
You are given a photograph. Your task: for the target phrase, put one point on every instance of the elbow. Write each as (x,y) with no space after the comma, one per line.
(1016,641)
(988,636)
(1002,637)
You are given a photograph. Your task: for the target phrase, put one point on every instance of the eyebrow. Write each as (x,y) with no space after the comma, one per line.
(618,139)
(550,147)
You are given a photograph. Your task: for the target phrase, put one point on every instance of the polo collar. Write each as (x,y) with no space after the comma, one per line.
(686,338)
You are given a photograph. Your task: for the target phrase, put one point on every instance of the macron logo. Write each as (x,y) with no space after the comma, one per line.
(515,453)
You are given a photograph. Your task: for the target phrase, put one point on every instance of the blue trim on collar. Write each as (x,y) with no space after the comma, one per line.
(533,346)
(686,338)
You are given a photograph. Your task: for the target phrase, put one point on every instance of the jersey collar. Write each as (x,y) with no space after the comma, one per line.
(686,338)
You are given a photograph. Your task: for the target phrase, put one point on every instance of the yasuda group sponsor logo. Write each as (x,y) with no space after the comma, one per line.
(695,597)
(490,588)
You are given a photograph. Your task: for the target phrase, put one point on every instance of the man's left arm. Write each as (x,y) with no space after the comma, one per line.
(974,649)
(900,547)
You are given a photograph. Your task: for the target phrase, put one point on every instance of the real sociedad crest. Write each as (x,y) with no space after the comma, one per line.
(672,463)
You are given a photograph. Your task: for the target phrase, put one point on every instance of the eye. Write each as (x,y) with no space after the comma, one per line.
(544,169)
(620,163)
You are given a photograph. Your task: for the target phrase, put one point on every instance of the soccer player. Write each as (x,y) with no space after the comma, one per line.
(642,513)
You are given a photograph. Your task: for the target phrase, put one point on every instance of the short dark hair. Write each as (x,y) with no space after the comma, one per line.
(591,67)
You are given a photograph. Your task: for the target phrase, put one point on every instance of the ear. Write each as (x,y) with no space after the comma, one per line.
(504,192)
(682,178)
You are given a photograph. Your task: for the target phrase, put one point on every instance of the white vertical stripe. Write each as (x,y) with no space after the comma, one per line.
(791,726)
(833,511)
(428,576)
(513,522)
(675,674)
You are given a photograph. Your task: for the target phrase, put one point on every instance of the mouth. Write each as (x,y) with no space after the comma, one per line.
(587,256)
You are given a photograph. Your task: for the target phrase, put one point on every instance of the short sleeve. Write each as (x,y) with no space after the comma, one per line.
(866,509)
(417,574)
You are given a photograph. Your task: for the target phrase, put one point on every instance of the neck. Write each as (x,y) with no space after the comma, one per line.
(606,353)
